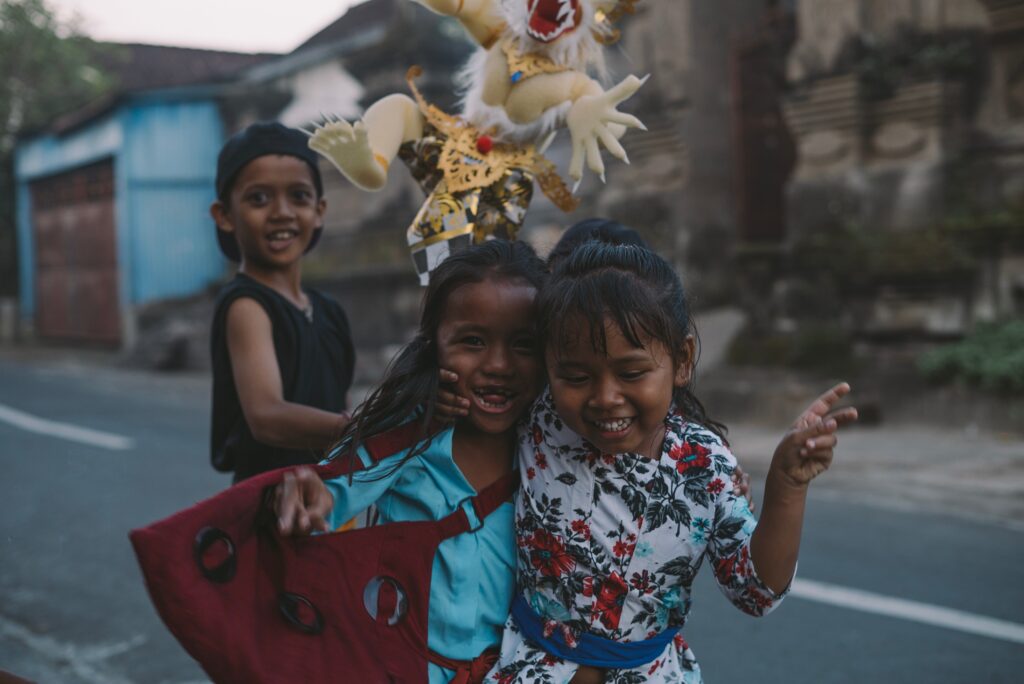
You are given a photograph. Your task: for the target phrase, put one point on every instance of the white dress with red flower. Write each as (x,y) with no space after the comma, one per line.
(611,544)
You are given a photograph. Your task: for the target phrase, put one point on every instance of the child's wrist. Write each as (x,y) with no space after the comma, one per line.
(781,484)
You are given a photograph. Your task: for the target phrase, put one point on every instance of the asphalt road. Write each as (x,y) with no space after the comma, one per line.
(940,596)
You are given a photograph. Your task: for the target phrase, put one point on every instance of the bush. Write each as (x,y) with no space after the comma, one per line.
(819,348)
(988,229)
(856,260)
(991,358)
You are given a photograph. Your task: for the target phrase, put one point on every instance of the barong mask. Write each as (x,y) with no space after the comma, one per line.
(479,168)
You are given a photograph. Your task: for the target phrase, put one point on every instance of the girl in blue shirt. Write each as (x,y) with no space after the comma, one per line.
(478,320)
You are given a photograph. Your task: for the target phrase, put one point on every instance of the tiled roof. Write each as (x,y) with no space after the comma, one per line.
(135,67)
(146,67)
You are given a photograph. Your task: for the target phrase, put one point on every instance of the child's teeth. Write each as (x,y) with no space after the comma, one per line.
(493,399)
(614,425)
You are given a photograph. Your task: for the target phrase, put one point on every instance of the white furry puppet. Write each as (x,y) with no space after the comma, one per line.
(538,68)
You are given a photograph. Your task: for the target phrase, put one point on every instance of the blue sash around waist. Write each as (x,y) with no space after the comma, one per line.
(591,649)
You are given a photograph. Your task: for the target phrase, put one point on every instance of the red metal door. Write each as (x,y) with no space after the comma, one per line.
(76,256)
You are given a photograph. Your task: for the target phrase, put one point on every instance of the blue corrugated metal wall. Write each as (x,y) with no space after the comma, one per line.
(169,160)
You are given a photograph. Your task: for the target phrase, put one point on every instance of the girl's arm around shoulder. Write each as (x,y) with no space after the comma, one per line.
(272,420)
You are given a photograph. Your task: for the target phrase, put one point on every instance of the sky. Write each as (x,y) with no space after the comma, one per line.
(236,25)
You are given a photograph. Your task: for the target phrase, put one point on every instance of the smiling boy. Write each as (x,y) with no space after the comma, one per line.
(282,355)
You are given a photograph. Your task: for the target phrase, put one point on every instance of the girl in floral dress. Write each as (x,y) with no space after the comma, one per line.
(625,485)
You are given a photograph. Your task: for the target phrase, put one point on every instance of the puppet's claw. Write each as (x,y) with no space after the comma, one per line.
(593,119)
(347,146)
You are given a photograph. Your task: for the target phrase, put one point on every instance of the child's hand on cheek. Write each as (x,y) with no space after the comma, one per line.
(806,451)
(450,406)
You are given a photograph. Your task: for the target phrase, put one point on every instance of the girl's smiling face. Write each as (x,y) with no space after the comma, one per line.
(617,399)
(487,336)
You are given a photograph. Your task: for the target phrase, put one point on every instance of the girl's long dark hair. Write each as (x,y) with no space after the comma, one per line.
(410,383)
(637,290)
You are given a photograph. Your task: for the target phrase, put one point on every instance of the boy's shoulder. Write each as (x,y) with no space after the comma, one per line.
(242,287)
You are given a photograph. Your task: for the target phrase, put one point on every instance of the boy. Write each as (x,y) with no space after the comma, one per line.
(282,356)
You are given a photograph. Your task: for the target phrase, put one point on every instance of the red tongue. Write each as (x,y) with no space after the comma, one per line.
(494,398)
(544,19)
(542,25)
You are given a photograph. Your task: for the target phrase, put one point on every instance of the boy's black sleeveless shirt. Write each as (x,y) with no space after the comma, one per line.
(316,360)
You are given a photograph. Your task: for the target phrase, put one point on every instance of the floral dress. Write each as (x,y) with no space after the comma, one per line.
(611,544)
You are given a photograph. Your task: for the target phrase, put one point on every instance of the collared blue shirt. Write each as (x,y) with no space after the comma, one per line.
(473,574)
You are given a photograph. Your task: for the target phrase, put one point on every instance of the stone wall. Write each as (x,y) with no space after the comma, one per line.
(905,119)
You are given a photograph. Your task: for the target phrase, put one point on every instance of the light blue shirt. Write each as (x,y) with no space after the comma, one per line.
(473,574)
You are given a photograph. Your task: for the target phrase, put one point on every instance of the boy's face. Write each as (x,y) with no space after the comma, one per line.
(272,211)
(487,335)
(617,401)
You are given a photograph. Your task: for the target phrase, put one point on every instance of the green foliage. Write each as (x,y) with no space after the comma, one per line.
(45,70)
(855,259)
(982,229)
(914,57)
(991,358)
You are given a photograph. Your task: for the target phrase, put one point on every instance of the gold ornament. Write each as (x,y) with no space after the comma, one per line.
(606,33)
(466,168)
(522,66)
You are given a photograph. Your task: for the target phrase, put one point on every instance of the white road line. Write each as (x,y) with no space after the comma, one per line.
(51,428)
(937,616)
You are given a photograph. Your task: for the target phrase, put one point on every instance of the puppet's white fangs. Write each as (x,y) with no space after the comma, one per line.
(550,19)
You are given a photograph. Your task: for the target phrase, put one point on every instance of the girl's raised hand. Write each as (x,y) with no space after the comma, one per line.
(302,502)
(806,451)
(450,406)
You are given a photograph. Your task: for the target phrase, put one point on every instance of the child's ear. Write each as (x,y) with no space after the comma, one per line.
(687,359)
(219,213)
